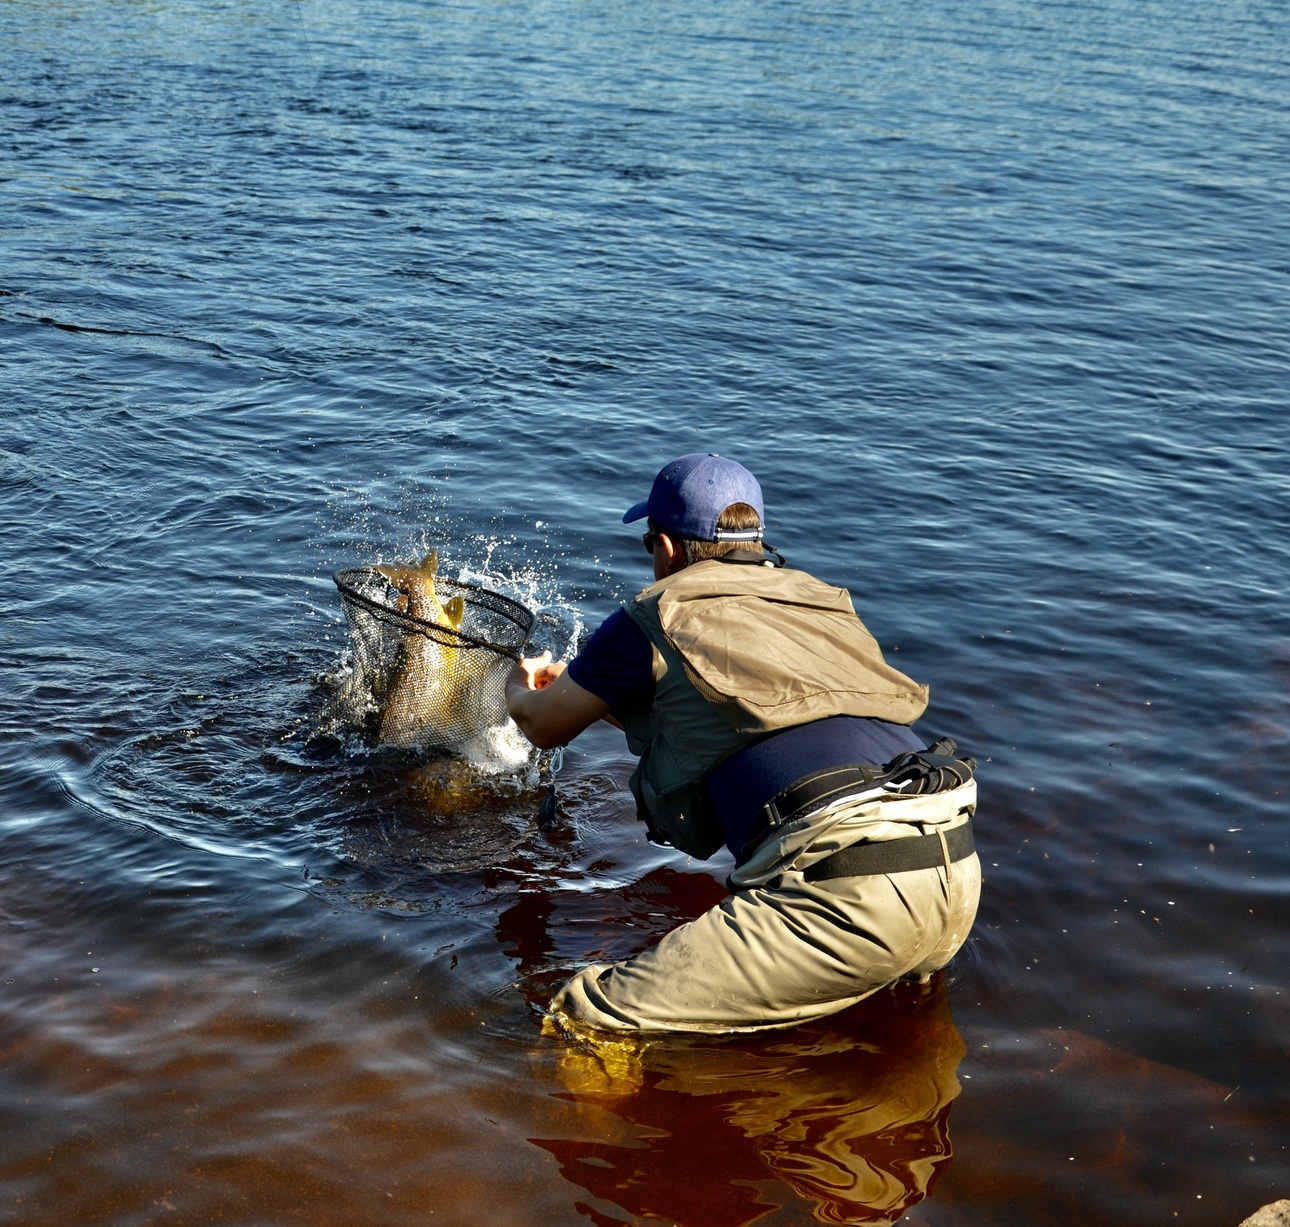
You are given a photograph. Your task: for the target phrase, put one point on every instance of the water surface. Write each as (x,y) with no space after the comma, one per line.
(995,303)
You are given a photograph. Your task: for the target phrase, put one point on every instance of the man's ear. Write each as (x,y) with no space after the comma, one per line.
(673,551)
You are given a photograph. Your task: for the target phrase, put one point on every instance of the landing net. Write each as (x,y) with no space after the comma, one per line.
(429,682)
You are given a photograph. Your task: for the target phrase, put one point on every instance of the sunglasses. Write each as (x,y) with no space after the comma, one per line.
(649,540)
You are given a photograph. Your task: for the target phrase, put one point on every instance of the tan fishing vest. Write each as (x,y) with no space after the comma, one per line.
(740,651)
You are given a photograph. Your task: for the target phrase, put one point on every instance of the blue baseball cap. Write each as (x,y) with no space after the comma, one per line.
(689,495)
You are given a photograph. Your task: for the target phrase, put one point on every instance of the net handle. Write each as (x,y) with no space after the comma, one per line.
(420,625)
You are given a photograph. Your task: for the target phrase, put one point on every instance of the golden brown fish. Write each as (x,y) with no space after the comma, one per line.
(429,681)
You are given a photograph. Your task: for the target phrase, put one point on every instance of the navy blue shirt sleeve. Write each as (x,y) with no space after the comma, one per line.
(617,663)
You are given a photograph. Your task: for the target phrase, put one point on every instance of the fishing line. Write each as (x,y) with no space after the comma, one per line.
(313,67)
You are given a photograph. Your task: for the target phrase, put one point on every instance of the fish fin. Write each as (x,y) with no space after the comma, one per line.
(430,563)
(396,572)
(455,612)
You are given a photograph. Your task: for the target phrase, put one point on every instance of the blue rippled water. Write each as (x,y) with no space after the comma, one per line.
(993,298)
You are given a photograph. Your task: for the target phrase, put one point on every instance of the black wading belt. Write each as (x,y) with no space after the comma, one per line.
(895,855)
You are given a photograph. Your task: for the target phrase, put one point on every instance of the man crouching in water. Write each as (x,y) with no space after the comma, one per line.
(762,712)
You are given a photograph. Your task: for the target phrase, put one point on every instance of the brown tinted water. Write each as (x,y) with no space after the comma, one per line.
(301,1053)
(361,1043)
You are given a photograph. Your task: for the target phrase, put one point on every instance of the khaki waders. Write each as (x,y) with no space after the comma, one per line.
(783,949)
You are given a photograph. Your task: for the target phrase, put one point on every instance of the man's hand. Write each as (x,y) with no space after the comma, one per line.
(538,672)
(549,707)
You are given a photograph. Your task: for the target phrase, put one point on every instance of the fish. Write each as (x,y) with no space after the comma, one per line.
(430,683)
(418,595)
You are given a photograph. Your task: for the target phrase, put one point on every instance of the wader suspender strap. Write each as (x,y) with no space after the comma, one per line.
(935,769)
(817,790)
(896,855)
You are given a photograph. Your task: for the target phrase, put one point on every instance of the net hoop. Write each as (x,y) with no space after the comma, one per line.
(507,617)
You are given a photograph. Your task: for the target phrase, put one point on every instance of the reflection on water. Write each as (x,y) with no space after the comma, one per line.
(850,1116)
(440,816)
(847,1116)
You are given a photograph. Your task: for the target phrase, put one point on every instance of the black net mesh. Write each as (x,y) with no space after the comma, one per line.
(436,676)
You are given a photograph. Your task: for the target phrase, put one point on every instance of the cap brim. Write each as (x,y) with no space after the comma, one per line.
(639,512)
